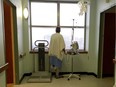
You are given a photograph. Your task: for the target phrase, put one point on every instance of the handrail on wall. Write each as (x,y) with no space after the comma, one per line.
(3,67)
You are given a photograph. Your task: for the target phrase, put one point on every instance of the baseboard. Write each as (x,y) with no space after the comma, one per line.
(91,73)
(81,73)
(24,75)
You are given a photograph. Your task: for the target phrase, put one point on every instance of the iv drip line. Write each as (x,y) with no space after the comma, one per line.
(72,33)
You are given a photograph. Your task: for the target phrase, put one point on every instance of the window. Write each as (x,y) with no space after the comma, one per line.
(45,16)
(68,12)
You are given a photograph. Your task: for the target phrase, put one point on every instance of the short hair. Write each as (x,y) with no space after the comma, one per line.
(57,29)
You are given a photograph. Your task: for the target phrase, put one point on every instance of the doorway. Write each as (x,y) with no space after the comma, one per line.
(107,43)
(11,43)
(8,42)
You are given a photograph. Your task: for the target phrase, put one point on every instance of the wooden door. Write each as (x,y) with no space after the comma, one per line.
(8,41)
(109,44)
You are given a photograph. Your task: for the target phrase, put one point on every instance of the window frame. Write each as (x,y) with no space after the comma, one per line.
(58,21)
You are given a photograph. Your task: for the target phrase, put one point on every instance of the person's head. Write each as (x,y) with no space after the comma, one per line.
(57,29)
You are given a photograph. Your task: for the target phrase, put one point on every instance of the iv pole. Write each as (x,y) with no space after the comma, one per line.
(72,33)
(73,53)
(72,43)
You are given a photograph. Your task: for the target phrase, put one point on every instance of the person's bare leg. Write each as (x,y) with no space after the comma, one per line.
(57,72)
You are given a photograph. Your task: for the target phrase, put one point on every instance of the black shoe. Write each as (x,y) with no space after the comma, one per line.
(59,76)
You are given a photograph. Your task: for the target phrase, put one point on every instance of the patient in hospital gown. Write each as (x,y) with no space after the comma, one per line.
(56,51)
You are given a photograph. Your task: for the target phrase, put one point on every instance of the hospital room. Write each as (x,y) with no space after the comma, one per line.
(57,43)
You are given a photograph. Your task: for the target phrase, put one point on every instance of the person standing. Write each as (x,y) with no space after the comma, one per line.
(56,51)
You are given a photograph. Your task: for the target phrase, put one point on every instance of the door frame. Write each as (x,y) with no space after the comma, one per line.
(100,56)
(15,40)
(100,53)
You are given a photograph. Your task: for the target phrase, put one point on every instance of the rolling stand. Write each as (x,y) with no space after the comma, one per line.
(73,51)
(72,74)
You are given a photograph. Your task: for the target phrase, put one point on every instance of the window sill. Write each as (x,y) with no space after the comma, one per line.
(46,51)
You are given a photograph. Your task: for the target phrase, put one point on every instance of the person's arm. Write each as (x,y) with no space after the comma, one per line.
(63,50)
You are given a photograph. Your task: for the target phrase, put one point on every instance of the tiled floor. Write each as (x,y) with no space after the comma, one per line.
(86,81)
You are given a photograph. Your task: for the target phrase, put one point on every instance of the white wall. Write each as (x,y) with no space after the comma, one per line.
(92,40)
(80,60)
(28,59)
